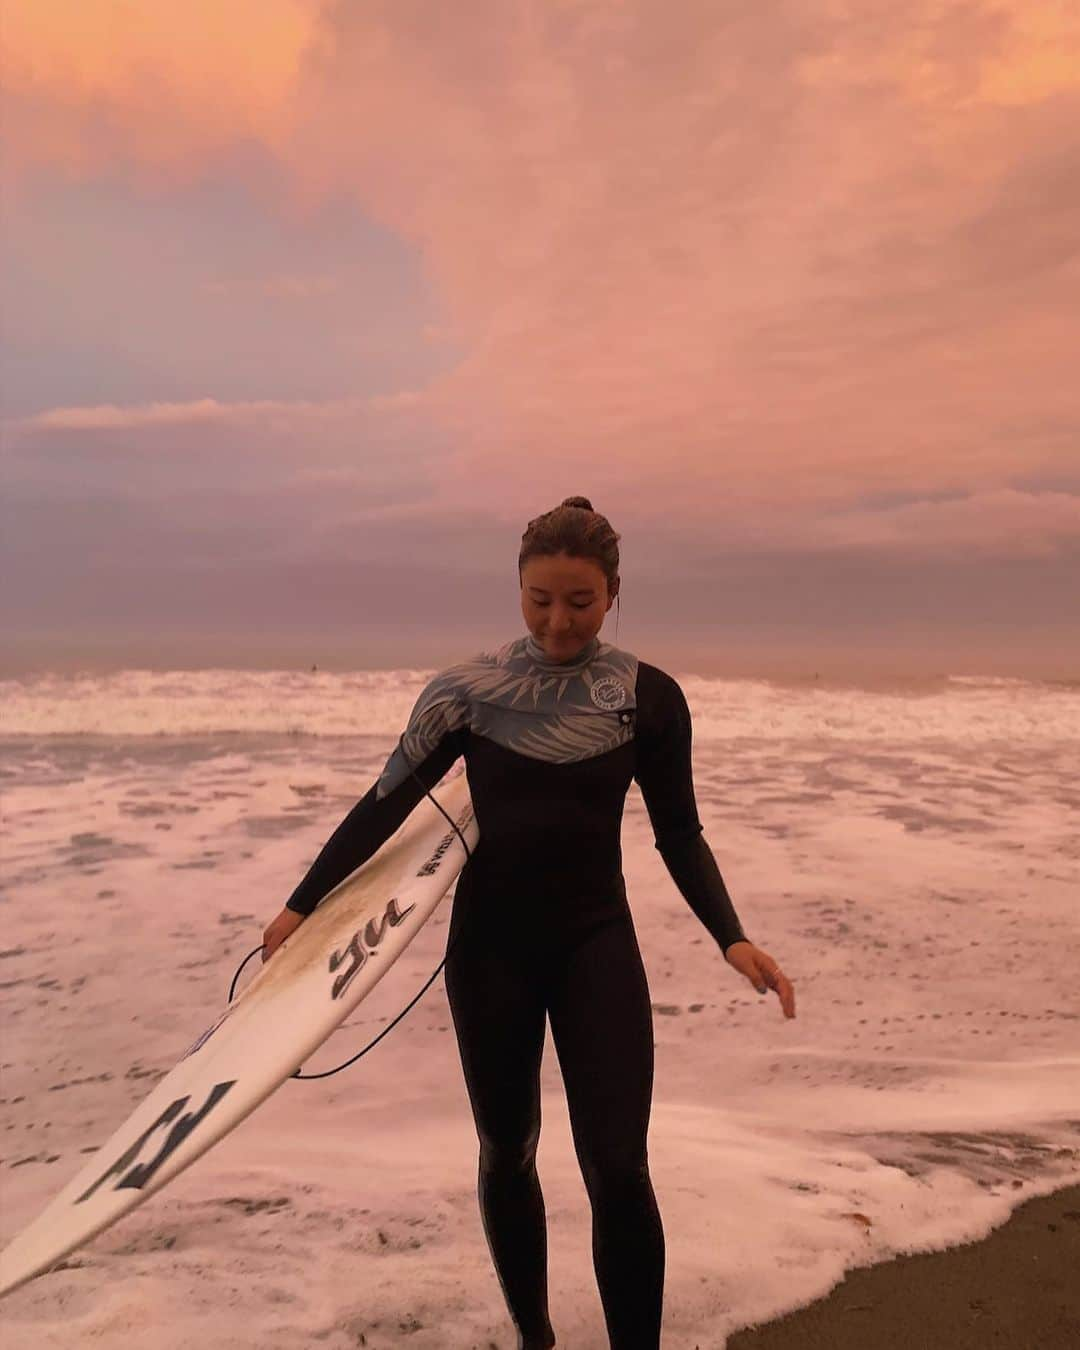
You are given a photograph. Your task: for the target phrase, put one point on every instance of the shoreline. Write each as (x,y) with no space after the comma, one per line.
(1016,1288)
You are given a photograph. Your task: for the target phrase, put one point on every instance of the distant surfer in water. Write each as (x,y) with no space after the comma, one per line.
(554,726)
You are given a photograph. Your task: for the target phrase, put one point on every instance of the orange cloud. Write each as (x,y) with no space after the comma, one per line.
(1043,56)
(90,85)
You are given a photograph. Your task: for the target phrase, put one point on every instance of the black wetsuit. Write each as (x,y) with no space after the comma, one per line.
(550,751)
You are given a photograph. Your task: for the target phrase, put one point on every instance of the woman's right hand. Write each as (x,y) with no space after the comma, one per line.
(288,921)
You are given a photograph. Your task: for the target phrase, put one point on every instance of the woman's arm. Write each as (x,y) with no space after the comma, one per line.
(369,824)
(665,776)
(431,742)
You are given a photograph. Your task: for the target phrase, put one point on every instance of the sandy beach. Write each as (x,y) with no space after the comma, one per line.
(900,1161)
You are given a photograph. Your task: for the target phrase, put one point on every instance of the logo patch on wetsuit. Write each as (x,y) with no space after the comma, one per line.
(608,693)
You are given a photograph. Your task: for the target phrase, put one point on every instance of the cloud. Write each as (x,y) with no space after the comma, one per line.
(1003,522)
(206,461)
(89,85)
(736,266)
(108,416)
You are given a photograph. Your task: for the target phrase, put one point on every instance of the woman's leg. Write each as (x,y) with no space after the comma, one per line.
(499,1018)
(601,1023)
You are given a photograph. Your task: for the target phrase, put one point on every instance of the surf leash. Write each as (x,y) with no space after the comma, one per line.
(397,1019)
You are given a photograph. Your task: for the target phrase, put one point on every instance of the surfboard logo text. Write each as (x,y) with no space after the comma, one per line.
(138,1176)
(363,944)
(432,865)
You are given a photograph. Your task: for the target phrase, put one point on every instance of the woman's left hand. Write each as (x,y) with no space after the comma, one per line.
(762,972)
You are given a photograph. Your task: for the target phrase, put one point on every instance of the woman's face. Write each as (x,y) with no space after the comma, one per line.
(564,601)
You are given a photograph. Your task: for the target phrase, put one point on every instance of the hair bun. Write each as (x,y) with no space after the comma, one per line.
(575,529)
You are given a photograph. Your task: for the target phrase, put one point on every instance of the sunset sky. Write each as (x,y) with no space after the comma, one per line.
(310,306)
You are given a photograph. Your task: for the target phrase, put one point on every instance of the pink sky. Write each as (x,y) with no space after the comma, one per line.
(789,291)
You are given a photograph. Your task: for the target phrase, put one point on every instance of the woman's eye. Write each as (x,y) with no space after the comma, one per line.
(543,604)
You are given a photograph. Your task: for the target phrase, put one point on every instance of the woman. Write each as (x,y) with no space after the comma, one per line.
(553,727)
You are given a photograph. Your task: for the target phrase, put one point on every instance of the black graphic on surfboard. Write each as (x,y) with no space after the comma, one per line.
(139,1176)
(363,944)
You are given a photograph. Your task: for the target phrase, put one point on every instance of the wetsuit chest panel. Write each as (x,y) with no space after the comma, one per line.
(542,819)
(559,714)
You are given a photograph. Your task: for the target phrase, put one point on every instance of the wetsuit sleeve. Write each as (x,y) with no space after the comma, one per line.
(664,774)
(432,741)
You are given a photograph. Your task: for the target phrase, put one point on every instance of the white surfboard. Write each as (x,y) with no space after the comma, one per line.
(312,982)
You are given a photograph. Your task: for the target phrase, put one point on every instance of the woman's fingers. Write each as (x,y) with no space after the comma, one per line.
(275,933)
(775,978)
(763,972)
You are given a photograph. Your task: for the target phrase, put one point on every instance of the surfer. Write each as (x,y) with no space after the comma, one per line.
(554,726)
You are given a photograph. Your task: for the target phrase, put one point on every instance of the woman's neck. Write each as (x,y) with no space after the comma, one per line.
(569,667)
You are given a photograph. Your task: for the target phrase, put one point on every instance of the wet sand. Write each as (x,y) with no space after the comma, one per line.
(1017,1289)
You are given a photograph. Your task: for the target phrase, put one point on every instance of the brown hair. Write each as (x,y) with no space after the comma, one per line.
(574,528)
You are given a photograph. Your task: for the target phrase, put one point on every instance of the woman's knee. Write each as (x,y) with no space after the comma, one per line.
(612,1174)
(508,1155)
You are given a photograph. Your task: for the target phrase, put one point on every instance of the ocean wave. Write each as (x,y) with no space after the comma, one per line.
(378,703)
